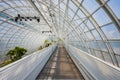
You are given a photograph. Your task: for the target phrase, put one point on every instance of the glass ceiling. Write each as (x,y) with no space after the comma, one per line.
(90,25)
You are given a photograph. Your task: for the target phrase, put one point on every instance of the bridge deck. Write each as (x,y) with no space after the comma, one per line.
(60,66)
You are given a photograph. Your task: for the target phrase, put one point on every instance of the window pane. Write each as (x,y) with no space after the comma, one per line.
(111,32)
(102,45)
(101,17)
(98,54)
(90,5)
(89,24)
(115,5)
(116,46)
(97,36)
(107,57)
(72,6)
(118,59)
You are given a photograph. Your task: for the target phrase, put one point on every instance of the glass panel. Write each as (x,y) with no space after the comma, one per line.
(102,45)
(97,36)
(62,6)
(115,5)
(118,59)
(107,57)
(79,1)
(55,1)
(2,45)
(101,17)
(89,36)
(111,32)
(72,6)
(82,28)
(5,6)
(11,3)
(99,54)
(1,8)
(116,46)
(90,5)
(18,3)
(86,29)
(76,19)
(71,13)
(80,13)
(94,45)
(89,24)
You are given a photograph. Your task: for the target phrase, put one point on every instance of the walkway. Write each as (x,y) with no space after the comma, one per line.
(60,66)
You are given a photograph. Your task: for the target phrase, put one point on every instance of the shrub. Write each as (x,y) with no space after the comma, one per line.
(16,53)
(6,63)
(47,43)
(41,47)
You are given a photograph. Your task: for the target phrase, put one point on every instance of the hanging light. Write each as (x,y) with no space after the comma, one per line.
(30,19)
(35,17)
(25,19)
(20,19)
(18,15)
(16,18)
(38,20)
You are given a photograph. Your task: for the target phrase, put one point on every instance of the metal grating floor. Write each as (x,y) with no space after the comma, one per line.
(60,66)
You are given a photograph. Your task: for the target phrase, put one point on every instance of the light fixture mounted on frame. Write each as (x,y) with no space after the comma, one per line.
(26,18)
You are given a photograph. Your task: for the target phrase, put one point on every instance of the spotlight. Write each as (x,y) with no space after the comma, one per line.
(35,17)
(50,14)
(20,19)
(25,19)
(18,15)
(38,20)
(16,18)
(30,19)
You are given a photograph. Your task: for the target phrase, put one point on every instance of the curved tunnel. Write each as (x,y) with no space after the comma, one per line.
(92,26)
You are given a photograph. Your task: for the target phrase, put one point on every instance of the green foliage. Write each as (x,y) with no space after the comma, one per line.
(41,47)
(47,43)
(6,63)
(16,53)
(11,54)
(59,39)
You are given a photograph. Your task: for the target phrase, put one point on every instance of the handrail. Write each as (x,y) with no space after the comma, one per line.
(22,69)
(98,69)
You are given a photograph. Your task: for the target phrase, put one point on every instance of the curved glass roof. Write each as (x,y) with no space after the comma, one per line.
(90,25)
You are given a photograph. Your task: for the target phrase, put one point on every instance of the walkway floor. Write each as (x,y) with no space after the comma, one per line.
(60,66)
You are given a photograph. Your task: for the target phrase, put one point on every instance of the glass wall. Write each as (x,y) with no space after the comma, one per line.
(90,25)
(26,34)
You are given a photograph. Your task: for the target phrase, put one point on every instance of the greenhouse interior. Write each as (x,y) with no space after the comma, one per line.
(59,39)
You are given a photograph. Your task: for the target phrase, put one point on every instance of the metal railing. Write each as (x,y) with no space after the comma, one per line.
(28,67)
(91,67)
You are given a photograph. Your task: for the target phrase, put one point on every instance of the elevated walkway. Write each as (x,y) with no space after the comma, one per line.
(60,66)
(54,63)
